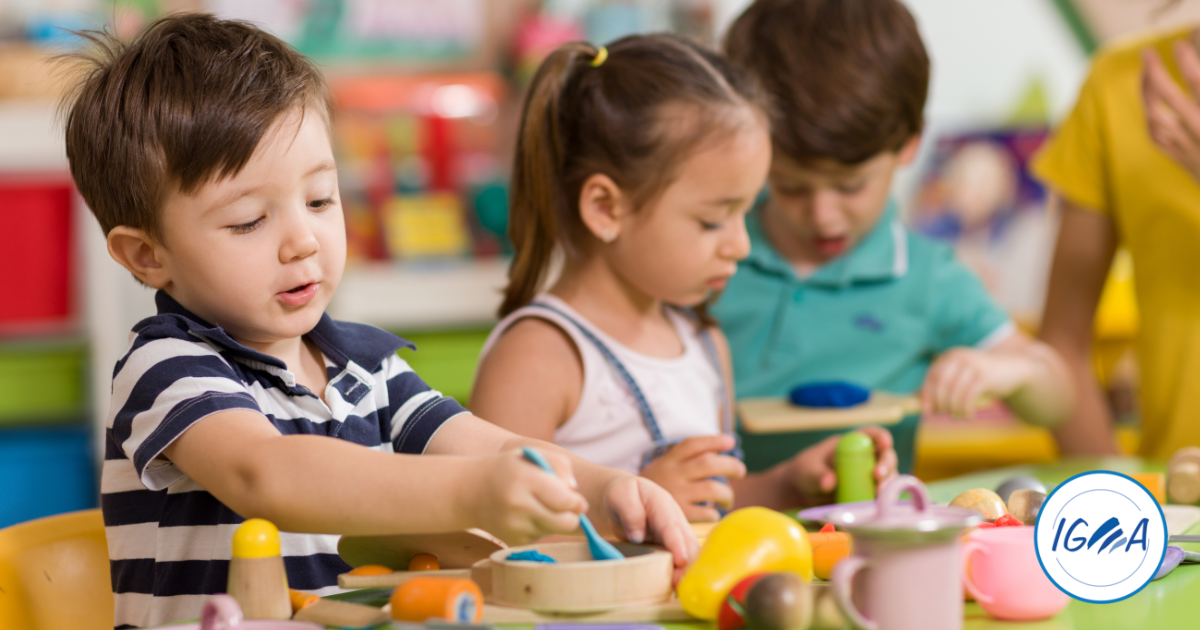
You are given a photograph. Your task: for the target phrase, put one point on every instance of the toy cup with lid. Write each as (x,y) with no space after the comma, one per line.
(906,571)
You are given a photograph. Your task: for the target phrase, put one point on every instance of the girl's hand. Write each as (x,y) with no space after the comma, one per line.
(812,474)
(1173,115)
(518,502)
(687,470)
(641,511)
(963,377)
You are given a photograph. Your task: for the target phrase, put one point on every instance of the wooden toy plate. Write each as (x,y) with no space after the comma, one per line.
(576,584)
(779,415)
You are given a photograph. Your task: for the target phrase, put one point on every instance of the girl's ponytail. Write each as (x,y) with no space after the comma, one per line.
(535,226)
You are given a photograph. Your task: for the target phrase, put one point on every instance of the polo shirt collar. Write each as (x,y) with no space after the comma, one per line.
(881,255)
(342,342)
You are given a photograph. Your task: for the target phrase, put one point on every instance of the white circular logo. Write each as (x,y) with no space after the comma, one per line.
(1101,537)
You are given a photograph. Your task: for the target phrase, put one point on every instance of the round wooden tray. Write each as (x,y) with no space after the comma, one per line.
(576,583)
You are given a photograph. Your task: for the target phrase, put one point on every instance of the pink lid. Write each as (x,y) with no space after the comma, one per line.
(892,520)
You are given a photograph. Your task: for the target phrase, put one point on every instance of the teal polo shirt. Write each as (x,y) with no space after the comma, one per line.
(876,316)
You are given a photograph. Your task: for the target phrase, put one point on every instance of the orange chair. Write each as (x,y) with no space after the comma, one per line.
(54,574)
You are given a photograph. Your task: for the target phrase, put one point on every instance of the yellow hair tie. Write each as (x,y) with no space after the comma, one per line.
(601,57)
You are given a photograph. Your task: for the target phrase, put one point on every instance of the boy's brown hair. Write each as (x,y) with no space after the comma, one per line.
(184,103)
(848,78)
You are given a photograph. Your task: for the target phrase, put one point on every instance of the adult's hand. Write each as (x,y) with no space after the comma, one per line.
(1173,113)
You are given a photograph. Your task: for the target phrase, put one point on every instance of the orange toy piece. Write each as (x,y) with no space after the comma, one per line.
(455,600)
(424,562)
(829,548)
(301,600)
(371,569)
(1155,483)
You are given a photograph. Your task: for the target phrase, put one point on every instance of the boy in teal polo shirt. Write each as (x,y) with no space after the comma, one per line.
(836,287)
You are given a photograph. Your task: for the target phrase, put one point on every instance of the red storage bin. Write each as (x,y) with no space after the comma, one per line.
(36,253)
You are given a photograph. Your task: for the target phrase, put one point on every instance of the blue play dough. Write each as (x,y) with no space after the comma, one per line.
(531,556)
(831,394)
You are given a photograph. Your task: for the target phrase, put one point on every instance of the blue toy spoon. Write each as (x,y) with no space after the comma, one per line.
(601,549)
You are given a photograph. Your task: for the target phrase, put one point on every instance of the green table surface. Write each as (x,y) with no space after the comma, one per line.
(1165,604)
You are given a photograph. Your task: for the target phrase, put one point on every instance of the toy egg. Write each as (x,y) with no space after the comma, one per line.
(981,501)
(1018,482)
(1025,505)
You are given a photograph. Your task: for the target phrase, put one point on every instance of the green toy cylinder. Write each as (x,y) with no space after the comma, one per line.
(855,467)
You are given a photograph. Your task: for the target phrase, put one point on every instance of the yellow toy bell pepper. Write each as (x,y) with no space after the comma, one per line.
(749,540)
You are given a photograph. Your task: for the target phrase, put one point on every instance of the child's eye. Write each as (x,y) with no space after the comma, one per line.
(851,188)
(710,226)
(246,227)
(320,204)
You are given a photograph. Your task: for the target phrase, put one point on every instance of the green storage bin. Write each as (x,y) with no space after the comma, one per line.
(42,383)
(447,359)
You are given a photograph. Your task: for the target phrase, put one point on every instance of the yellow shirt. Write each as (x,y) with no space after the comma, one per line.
(1103,158)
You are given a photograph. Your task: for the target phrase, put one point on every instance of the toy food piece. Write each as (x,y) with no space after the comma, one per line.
(1018,482)
(826,614)
(1025,505)
(767,601)
(1183,476)
(301,600)
(1153,482)
(531,556)
(829,548)
(257,579)
(339,614)
(455,600)
(855,466)
(423,562)
(981,501)
(747,541)
(1008,520)
(370,569)
(835,394)
(1171,559)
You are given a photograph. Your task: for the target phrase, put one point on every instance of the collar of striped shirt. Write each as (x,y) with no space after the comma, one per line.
(365,345)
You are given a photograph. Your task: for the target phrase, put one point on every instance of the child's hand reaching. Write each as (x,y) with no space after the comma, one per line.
(518,502)
(687,470)
(644,512)
(961,380)
(812,471)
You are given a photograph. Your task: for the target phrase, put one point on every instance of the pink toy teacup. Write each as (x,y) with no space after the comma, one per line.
(905,571)
(1001,571)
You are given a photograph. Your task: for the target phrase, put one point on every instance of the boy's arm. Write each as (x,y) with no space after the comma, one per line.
(1027,375)
(1087,241)
(306,483)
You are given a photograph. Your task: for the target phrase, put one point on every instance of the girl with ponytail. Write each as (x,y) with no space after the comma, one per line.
(635,166)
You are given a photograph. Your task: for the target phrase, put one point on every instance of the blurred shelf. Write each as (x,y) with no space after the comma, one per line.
(32,137)
(427,295)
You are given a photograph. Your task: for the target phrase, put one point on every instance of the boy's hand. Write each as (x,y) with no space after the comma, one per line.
(812,470)
(518,502)
(962,377)
(687,470)
(641,512)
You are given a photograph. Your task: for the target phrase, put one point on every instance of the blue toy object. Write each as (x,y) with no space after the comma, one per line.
(601,549)
(531,556)
(830,394)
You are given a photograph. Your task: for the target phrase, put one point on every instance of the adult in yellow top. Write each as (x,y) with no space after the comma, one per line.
(1126,166)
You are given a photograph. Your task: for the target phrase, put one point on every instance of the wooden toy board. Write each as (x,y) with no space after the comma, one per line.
(779,415)
(1180,518)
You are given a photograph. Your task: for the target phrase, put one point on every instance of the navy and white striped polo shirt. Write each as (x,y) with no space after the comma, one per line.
(169,540)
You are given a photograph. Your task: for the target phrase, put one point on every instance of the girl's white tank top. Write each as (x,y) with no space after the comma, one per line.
(607,427)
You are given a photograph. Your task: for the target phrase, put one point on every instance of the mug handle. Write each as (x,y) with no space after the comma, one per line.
(842,578)
(890,491)
(969,550)
(220,612)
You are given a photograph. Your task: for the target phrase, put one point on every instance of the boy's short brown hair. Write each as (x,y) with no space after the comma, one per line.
(185,102)
(848,78)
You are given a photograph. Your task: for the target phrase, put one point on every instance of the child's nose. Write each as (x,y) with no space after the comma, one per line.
(299,239)
(737,245)
(825,211)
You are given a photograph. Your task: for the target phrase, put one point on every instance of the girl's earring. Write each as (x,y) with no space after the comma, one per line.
(609,235)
